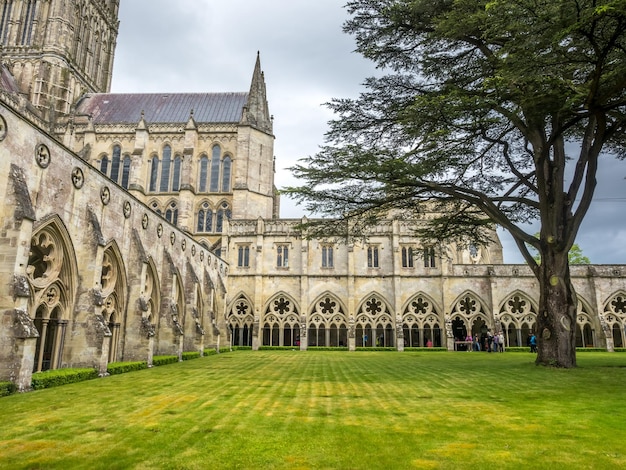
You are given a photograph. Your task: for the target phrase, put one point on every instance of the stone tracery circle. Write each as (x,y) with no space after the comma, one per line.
(42,155)
(127,209)
(3,128)
(105,195)
(78,178)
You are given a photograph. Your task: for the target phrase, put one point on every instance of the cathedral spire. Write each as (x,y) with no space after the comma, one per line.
(256,112)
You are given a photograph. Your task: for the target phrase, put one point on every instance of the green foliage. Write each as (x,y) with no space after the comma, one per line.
(574,256)
(425,349)
(209,352)
(163,360)
(54,378)
(190,355)
(479,100)
(376,348)
(114,368)
(7,388)
(470,123)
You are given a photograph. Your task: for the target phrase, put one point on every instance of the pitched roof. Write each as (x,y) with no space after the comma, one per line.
(7,82)
(126,108)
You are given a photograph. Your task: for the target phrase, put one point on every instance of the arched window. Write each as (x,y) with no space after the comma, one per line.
(29,20)
(154,173)
(171,213)
(155,207)
(115,163)
(176,175)
(165,169)
(215,169)
(205,218)
(126,171)
(4,23)
(104,165)
(223,212)
(226,164)
(204,172)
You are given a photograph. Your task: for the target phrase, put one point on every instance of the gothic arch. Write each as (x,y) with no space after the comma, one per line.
(421,321)
(613,319)
(204,216)
(585,324)
(374,322)
(114,293)
(156,206)
(517,318)
(281,321)
(468,312)
(52,274)
(240,320)
(327,323)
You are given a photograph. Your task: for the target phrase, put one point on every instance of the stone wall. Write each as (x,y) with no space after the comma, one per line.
(91,267)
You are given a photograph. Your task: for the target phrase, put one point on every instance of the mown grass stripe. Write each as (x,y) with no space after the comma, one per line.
(292,409)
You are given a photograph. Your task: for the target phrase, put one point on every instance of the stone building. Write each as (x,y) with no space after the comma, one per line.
(142,224)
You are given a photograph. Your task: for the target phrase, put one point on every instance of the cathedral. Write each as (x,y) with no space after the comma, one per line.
(135,225)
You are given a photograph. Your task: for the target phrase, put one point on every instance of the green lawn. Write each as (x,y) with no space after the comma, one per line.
(330,410)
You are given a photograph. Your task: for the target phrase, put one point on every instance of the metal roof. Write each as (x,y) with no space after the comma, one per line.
(126,108)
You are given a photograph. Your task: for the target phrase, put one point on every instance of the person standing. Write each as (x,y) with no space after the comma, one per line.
(501,341)
(533,343)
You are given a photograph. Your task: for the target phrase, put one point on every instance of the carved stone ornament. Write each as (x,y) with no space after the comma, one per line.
(144,221)
(172,238)
(183,244)
(42,155)
(127,209)
(160,230)
(201,255)
(105,195)
(78,178)
(3,128)
(193,250)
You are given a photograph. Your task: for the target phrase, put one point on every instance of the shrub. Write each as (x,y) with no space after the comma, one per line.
(242,348)
(210,352)
(115,368)
(426,349)
(379,348)
(162,360)
(54,378)
(7,388)
(190,355)
(321,348)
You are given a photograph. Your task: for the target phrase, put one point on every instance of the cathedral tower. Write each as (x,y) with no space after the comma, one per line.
(57,50)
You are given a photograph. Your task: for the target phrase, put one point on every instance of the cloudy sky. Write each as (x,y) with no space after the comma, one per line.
(209,46)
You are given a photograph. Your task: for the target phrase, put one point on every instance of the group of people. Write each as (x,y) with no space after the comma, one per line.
(487,342)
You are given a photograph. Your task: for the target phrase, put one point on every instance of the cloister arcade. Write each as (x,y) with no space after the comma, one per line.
(421,323)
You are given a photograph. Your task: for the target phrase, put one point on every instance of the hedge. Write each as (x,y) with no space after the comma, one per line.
(190,355)
(162,360)
(210,352)
(425,349)
(115,368)
(7,388)
(54,378)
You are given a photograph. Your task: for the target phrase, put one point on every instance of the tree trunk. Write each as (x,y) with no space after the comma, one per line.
(556,319)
